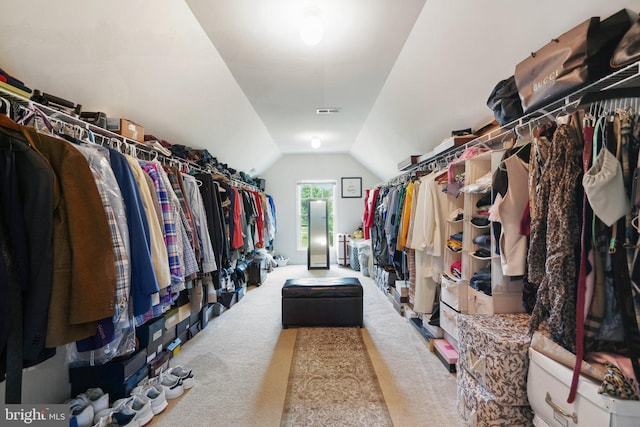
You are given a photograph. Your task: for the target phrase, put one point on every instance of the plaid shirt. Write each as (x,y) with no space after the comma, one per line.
(187,255)
(170,229)
(109,195)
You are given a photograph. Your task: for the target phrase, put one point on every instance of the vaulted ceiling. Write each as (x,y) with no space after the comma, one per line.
(234,76)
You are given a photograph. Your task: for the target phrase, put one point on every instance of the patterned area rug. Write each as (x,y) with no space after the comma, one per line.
(332,381)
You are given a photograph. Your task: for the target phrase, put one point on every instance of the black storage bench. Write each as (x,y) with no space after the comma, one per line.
(322,302)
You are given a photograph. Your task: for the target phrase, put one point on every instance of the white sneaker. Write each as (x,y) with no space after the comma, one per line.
(99,399)
(155,395)
(171,384)
(141,405)
(184,375)
(80,408)
(124,416)
(138,404)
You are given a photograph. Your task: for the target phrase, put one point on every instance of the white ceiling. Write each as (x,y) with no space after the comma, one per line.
(286,80)
(233,76)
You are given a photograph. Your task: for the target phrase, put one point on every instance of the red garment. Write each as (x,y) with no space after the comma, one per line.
(238,241)
(371,208)
(366,213)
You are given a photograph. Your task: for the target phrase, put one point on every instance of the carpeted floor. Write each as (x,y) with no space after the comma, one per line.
(242,362)
(332,382)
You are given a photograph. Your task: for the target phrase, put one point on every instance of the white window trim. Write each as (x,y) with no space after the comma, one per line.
(298,213)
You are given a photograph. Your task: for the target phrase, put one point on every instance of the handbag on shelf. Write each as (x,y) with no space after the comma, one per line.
(577,57)
(505,102)
(628,50)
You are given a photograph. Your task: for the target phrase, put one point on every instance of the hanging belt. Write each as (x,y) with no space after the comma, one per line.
(582,272)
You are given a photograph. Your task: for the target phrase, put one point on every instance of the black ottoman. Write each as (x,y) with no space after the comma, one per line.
(322,302)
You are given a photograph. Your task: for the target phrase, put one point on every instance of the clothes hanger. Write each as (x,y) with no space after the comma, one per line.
(609,94)
(5,107)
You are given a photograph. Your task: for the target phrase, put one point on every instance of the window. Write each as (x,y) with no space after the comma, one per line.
(307,190)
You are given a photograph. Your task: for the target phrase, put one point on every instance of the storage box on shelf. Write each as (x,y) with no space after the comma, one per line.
(126,128)
(548,388)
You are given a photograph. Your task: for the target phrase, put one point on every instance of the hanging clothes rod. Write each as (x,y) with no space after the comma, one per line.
(62,117)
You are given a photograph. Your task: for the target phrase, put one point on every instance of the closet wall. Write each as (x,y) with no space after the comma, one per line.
(281,181)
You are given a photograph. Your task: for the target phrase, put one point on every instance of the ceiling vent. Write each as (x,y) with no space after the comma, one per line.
(327,110)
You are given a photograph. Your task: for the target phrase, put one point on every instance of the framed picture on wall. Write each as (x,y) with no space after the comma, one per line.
(351,187)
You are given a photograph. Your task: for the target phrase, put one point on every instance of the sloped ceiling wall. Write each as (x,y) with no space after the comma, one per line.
(456,53)
(147,61)
(153,63)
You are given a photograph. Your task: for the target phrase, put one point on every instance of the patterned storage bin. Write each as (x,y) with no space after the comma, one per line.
(479,408)
(493,349)
(354,261)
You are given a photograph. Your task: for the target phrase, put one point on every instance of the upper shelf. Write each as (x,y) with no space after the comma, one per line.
(627,77)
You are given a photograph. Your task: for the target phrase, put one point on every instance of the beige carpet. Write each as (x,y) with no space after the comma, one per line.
(242,362)
(332,382)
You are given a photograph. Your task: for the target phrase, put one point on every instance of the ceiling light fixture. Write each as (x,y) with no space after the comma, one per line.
(311,29)
(327,110)
(315,143)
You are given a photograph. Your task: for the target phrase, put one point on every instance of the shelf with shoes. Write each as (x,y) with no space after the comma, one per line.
(489,291)
(453,296)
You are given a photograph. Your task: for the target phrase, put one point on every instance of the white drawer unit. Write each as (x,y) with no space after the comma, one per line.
(500,302)
(548,388)
(448,320)
(453,292)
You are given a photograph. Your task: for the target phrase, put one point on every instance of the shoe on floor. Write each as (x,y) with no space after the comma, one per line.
(99,399)
(155,394)
(123,417)
(171,384)
(138,405)
(184,375)
(80,408)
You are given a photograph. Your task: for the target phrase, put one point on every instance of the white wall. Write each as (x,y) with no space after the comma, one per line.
(281,179)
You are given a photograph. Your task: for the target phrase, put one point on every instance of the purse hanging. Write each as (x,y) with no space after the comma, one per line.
(575,58)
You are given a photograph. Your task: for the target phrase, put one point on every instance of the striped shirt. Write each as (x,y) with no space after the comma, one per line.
(169,221)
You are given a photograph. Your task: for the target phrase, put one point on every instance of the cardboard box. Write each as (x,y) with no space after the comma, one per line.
(126,128)
(184,312)
(408,162)
(171,318)
(453,141)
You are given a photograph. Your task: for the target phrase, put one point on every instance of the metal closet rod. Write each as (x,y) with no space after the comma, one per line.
(605,89)
(57,115)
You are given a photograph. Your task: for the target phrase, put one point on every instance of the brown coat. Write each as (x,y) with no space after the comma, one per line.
(83,287)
